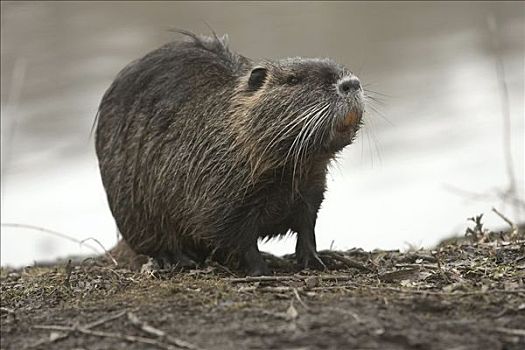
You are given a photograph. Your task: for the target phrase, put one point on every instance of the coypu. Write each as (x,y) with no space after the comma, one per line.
(203,151)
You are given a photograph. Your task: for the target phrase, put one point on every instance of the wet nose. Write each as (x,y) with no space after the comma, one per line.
(347,86)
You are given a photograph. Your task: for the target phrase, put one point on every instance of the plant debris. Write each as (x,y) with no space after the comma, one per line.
(467,293)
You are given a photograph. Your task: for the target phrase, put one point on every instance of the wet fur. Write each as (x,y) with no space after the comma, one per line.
(195,163)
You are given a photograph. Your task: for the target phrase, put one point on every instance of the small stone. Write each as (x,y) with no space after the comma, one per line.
(379,331)
(311,282)
(55,335)
(14,276)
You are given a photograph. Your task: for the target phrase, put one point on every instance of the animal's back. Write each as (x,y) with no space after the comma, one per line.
(157,125)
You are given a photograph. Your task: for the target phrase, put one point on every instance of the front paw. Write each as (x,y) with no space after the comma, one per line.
(259,270)
(254,264)
(176,260)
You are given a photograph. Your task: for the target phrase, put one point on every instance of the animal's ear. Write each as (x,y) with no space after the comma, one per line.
(257,78)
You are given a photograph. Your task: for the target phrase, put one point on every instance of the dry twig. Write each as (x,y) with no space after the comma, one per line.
(130,338)
(68,330)
(511,331)
(106,252)
(296,293)
(511,224)
(51,232)
(159,333)
(248,279)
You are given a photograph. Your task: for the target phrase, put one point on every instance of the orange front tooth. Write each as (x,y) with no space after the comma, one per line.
(351,118)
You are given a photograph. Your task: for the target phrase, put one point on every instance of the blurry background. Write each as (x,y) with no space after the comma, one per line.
(450,77)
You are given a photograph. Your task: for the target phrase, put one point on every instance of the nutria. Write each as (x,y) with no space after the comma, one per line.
(204,151)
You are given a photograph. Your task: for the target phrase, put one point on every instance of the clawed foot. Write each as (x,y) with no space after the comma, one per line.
(310,260)
(254,263)
(175,261)
(261,270)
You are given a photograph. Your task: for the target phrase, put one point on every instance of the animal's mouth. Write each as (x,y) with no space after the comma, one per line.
(350,122)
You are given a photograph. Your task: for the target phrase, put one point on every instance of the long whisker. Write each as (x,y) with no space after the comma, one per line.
(313,129)
(284,133)
(281,135)
(304,132)
(369,145)
(297,141)
(366,88)
(376,141)
(324,119)
(370,105)
(311,116)
(312,132)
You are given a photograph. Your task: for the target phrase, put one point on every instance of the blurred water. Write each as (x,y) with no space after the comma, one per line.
(434,63)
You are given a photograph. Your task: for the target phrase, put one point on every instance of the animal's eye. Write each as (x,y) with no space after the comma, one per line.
(257,78)
(292,80)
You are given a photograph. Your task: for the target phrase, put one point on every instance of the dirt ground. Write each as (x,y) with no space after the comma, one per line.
(466,294)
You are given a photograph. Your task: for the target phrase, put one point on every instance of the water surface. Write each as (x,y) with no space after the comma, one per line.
(433,63)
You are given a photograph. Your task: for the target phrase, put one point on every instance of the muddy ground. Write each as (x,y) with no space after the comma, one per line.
(466,294)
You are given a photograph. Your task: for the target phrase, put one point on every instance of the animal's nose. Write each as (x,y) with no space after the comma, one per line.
(348,85)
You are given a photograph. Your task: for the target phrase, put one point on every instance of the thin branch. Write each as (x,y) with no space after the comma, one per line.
(159,333)
(298,297)
(130,338)
(68,330)
(488,196)
(51,232)
(347,261)
(105,319)
(429,292)
(426,266)
(288,278)
(278,289)
(108,254)
(261,279)
(10,116)
(505,111)
(511,224)
(511,331)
